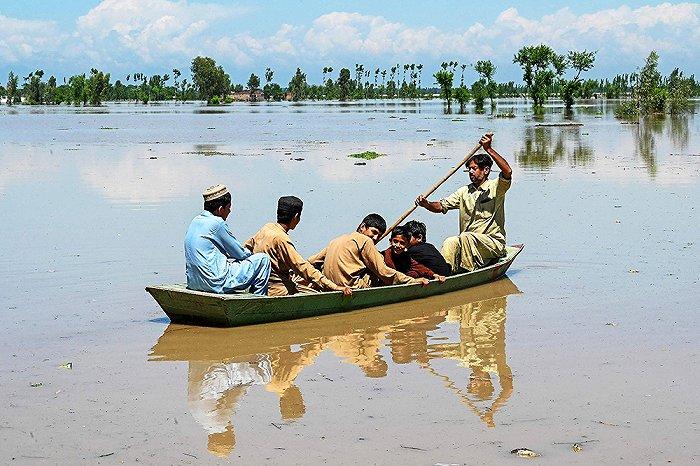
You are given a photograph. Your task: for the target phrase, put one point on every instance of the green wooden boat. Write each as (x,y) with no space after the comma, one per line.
(232,310)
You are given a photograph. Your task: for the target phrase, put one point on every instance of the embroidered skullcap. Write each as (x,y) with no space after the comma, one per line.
(214,192)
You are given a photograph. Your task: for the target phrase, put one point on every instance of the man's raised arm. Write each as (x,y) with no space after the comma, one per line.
(506,171)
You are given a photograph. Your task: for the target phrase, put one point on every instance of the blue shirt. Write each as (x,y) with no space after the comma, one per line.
(208,245)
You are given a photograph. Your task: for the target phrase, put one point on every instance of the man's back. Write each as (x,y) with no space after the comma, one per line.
(349,258)
(426,254)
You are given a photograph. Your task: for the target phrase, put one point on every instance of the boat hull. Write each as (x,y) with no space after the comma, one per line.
(230,310)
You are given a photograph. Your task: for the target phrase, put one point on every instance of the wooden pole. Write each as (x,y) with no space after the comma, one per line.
(432,190)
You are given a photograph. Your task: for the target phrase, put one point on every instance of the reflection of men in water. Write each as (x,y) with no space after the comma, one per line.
(482,347)
(273,239)
(213,392)
(215,260)
(215,388)
(362,350)
(481,213)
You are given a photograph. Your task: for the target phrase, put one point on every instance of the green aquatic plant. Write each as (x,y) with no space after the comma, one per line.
(366,155)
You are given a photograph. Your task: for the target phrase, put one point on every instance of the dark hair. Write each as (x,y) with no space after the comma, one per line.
(400,231)
(482,161)
(416,229)
(287,208)
(214,204)
(375,221)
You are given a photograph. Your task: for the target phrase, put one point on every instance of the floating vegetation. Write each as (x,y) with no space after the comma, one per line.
(505,115)
(107,127)
(366,155)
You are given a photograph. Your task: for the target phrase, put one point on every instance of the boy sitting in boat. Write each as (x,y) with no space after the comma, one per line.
(481,204)
(424,253)
(273,239)
(215,260)
(353,259)
(396,256)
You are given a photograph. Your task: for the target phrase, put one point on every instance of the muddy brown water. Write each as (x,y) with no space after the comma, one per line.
(592,338)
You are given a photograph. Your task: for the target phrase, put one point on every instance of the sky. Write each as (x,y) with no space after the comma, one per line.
(154,36)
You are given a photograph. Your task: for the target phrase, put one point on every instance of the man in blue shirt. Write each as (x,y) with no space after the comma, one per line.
(215,261)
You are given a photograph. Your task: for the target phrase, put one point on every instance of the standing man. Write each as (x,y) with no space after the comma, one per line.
(273,239)
(481,212)
(215,260)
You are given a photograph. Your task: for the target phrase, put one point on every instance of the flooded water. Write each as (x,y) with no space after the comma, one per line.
(592,338)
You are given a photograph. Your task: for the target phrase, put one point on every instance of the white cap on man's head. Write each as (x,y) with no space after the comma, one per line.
(214,192)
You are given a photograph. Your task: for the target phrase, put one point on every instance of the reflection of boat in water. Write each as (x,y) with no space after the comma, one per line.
(226,363)
(230,310)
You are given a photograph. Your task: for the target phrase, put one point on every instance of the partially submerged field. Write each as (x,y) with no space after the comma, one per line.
(593,338)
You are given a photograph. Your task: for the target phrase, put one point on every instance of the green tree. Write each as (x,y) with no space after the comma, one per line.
(209,79)
(652,94)
(486,71)
(11,89)
(344,84)
(34,88)
(541,65)
(78,93)
(96,85)
(479,93)
(298,88)
(51,92)
(578,62)
(444,79)
(253,86)
(462,95)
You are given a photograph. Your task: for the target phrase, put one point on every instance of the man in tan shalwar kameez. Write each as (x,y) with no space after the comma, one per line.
(353,259)
(481,213)
(287,265)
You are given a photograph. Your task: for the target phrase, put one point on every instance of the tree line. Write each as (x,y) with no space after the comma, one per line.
(546,74)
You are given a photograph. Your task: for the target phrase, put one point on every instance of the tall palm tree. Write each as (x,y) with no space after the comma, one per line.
(420,71)
(463,68)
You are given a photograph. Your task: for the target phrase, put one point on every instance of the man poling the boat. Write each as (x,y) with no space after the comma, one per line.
(482,238)
(287,264)
(215,261)
(353,259)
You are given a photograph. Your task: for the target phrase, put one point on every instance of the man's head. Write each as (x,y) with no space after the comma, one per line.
(399,240)
(217,200)
(372,226)
(289,211)
(417,232)
(479,168)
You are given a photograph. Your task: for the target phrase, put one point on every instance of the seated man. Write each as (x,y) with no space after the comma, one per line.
(215,260)
(481,205)
(423,252)
(353,260)
(273,240)
(396,256)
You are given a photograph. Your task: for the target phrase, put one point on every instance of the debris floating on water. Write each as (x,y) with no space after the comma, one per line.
(524,453)
(67,365)
(576,448)
(36,384)
(366,155)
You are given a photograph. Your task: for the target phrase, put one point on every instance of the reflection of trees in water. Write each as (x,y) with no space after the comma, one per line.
(545,147)
(650,128)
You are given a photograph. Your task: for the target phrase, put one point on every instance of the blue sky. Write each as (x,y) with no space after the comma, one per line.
(153,36)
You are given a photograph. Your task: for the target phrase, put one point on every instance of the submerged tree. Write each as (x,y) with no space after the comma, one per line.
(570,88)
(462,95)
(444,79)
(652,94)
(11,89)
(541,65)
(344,84)
(254,85)
(486,71)
(298,88)
(209,79)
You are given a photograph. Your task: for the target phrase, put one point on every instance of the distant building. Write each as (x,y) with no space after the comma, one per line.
(246,96)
